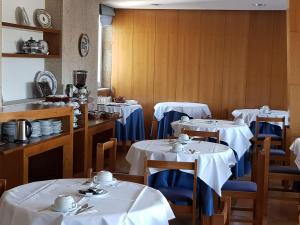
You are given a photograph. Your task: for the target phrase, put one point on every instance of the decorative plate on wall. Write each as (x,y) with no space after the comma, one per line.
(84,45)
(43,18)
(45,76)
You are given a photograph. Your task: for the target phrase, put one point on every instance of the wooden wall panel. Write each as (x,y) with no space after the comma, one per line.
(235,61)
(143,60)
(166,33)
(294,67)
(227,59)
(123,53)
(188,56)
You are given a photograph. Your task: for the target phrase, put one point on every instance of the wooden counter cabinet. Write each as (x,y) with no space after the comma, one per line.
(46,157)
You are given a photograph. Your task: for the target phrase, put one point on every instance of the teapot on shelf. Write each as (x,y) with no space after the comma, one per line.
(35,47)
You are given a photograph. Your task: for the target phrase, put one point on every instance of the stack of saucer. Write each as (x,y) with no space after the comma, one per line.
(9,131)
(36,129)
(56,126)
(46,127)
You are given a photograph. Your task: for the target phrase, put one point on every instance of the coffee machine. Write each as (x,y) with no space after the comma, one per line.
(79,80)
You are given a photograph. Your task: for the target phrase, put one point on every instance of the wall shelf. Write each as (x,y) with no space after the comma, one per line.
(51,36)
(16,55)
(25,27)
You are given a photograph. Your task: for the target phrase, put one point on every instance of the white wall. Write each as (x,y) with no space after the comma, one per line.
(18,73)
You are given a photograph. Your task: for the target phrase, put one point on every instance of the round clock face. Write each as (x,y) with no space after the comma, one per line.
(84,45)
(43,18)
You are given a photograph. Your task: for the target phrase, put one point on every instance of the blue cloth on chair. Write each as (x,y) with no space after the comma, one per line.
(267,128)
(164,125)
(177,180)
(134,128)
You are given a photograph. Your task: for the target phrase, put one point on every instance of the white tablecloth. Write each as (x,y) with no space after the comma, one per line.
(214,160)
(295,147)
(236,136)
(124,109)
(249,115)
(194,110)
(126,204)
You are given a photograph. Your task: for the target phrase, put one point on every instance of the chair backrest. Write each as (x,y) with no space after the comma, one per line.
(203,135)
(173,165)
(263,174)
(2,186)
(222,216)
(154,128)
(101,148)
(120,176)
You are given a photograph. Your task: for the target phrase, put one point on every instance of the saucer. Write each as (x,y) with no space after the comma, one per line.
(53,208)
(114,181)
(89,194)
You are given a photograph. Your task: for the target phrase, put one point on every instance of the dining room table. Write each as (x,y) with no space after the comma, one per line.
(295,148)
(167,112)
(232,133)
(249,117)
(214,165)
(125,203)
(130,125)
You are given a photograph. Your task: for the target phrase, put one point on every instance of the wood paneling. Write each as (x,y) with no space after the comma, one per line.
(294,67)
(227,59)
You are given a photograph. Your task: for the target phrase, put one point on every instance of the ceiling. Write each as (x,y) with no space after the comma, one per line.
(199,4)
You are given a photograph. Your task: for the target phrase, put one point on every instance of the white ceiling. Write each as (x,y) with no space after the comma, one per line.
(199,4)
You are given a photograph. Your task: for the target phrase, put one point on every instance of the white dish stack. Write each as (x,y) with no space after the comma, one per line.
(56,126)
(46,127)
(36,129)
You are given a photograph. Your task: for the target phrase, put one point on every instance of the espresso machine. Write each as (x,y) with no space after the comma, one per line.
(79,80)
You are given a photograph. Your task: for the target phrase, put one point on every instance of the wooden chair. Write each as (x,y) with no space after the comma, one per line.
(222,217)
(278,143)
(2,186)
(178,193)
(257,192)
(120,176)
(110,146)
(202,135)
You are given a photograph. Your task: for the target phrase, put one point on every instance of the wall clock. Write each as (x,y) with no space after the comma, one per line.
(84,45)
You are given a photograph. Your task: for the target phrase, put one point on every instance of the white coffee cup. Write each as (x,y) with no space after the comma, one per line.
(185,119)
(177,147)
(265,109)
(103,177)
(183,137)
(64,203)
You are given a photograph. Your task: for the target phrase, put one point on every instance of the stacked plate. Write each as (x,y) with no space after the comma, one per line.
(36,129)
(46,127)
(9,131)
(56,126)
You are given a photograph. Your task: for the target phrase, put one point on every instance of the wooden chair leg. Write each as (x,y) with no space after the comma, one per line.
(99,158)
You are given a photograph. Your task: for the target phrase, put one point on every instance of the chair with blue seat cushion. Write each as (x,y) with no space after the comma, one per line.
(278,142)
(182,200)
(251,190)
(203,135)
(284,173)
